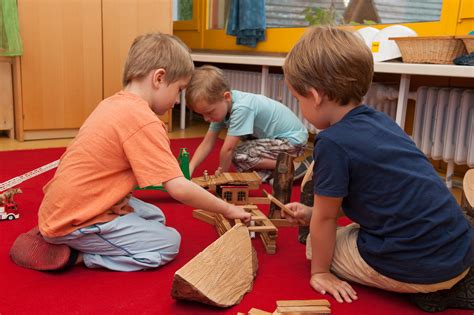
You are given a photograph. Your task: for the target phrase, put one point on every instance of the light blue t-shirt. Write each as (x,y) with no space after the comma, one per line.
(263,118)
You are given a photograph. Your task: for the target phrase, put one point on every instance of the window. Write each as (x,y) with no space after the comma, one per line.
(301,13)
(241,196)
(228,196)
(182,10)
(286,21)
(185,14)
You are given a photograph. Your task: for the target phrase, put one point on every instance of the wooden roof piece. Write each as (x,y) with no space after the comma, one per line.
(222,273)
(250,178)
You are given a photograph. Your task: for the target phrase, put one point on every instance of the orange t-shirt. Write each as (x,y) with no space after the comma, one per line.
(121,144)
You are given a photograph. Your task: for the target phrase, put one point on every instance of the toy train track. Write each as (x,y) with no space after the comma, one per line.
(20,179)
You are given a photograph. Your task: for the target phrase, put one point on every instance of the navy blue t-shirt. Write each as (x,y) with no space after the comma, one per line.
(411,227)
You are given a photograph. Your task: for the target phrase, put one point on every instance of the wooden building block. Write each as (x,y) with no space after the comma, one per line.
(221,274)
(258,200)
(303,303)
(297,307)
(303,307)
(268,243)
(266,220)
(256,311)
(205,216)
(211,181)
(306,310)
(260,224)
(262,228)
(278,203)
(308,176)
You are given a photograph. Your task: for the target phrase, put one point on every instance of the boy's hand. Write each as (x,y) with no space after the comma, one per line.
(234,212)
(302,213)
(327,282)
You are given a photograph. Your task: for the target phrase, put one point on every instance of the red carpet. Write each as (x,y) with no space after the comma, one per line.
(95,291)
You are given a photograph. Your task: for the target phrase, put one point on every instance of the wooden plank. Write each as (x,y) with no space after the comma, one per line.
(259,200)
(304,309)
(266,222)
(256,311)
(278,203)
(262,228)
(257,218)
(308,176)
(269,244)
(222,224)
(321,302)
(204,216)
(225,222)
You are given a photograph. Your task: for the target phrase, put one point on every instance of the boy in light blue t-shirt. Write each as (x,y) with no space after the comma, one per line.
(259,128)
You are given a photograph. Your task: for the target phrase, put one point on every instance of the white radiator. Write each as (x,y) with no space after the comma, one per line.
(248,81)
(382,98)
(443,126)
(245,81)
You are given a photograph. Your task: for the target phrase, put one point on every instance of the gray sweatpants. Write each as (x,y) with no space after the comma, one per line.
(135,241)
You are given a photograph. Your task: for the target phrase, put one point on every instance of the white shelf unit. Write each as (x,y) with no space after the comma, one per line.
(406,70)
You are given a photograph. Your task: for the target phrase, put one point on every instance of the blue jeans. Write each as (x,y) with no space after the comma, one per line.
(135,241)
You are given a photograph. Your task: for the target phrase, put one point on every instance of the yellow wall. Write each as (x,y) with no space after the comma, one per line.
(457,18)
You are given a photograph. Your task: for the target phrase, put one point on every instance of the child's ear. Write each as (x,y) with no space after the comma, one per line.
(158,77)
(227,96)
(316,97)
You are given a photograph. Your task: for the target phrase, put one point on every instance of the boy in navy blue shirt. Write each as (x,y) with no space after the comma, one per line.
(409,234)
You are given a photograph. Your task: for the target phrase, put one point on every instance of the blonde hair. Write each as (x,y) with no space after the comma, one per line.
(208,83)
(330,60)
(156,50)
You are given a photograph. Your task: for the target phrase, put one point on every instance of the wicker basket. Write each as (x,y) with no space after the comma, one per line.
(468,41)
(430,49)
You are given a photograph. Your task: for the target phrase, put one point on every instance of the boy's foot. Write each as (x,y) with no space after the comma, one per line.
(30,250)
(461,295)
(302,167)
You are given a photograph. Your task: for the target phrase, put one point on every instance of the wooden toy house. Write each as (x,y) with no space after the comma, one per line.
(232,187)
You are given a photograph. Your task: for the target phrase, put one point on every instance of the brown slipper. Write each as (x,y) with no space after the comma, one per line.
(30,250)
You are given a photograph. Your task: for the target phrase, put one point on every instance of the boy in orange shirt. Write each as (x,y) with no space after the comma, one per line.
(87,205)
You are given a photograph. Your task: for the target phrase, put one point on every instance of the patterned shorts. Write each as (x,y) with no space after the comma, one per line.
(248,153)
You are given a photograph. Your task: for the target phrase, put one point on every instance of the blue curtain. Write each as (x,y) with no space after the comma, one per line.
(247,21)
